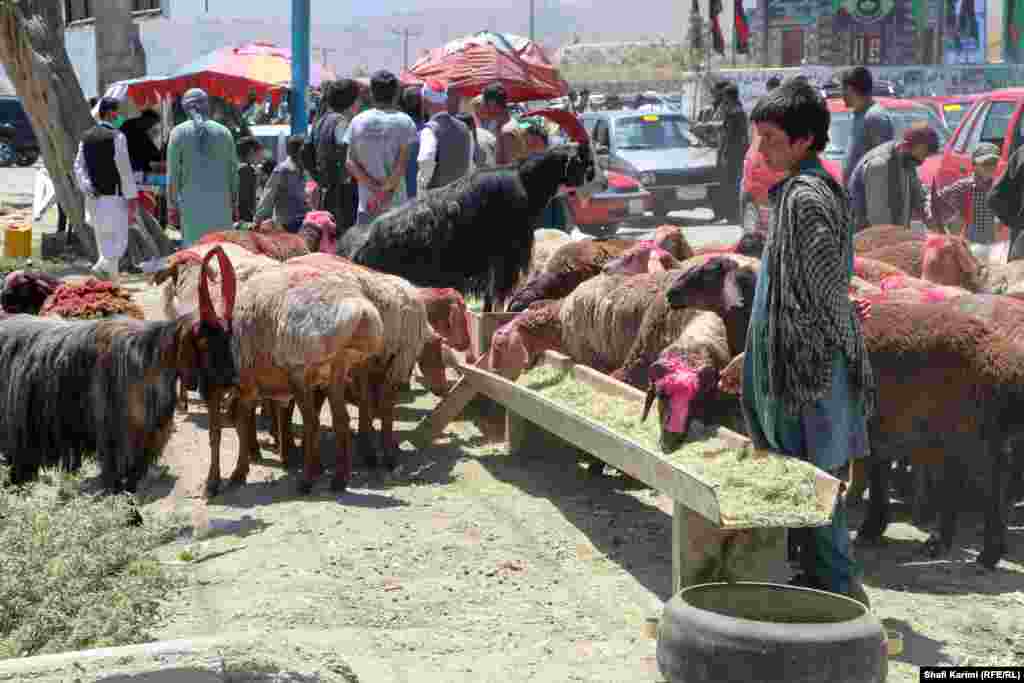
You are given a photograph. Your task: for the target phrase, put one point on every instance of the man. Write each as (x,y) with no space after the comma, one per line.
(446,145)
(730,126)
(285,193)
(104,173)
(495,117)
(486,142)
(250,154)
(888,176)
(339,193)
(871,124)
(1005,202)
(378,142)
(967,199)
(808,387)
(202,170)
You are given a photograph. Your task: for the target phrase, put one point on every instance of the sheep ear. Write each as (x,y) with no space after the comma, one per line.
(649,400)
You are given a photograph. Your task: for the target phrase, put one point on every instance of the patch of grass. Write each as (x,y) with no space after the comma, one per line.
(8,265)
(73,574)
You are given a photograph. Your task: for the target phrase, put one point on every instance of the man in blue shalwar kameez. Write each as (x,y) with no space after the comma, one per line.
(808,386)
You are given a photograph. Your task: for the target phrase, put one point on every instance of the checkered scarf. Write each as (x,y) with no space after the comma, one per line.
(808,306)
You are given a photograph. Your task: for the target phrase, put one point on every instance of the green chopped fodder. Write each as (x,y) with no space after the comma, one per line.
(754,489)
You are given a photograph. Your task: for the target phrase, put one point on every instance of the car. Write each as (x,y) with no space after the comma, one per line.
(604,211)
(274,138)
(996,117)
(16,131)
(657,150)
(950,108)
(881,88)
(758,178)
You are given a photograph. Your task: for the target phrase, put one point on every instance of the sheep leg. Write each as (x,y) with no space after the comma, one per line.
(283,433)
(364,400)
(182,397)
(342,435)
(310,440)
(213,402)
(996,545)
(246,414)
(940,542)
(920,492)
(877,519)
(387,424)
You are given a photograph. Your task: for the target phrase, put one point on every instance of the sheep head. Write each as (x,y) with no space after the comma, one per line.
(544,286)
(508,355)
(683,392)
(633,261)
(432,364)
(671,239)
(582,172)
(720,285)
(448,315)
(205,356)
(947,260)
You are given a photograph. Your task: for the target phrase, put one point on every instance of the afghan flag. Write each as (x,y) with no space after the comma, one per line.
(717,39)
(741,30)
(1014,29)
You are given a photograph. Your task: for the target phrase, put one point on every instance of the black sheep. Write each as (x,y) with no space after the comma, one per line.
(24,291)
(474,235)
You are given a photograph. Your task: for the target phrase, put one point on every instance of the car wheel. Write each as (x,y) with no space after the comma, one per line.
(7,154)
(27,158)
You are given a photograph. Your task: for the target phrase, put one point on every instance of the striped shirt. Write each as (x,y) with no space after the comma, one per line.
(966,199)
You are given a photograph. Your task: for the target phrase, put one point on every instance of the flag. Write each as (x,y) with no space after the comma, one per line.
(717,40)
(696,35)
(741,30)
(968,23)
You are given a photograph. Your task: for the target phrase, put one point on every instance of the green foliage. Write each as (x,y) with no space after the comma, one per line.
(8,265)
(73,574)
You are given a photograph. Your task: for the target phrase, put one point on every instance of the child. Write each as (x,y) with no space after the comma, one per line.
(250,153)
(285,194)
(966,199)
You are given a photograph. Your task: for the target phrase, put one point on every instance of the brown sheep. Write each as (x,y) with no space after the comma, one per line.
(948,260)
(907,256)
(578,261)
(879,236)
(947,380)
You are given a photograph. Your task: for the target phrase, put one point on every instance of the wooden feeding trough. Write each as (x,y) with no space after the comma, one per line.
(703,540)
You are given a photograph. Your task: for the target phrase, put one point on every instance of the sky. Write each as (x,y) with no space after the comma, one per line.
(325,11)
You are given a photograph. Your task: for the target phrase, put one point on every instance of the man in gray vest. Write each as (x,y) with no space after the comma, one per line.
(104,173)
(446,145)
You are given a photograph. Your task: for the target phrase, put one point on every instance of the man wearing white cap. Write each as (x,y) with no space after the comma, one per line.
(446,145)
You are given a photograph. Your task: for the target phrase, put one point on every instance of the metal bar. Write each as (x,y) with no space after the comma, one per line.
(300,66)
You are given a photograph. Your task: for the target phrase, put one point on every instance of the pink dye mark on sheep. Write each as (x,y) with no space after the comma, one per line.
(934,296)
(681,384)
(936,241)
(893,282)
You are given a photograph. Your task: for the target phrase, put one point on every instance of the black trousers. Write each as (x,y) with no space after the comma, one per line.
(1016,243)
(342,201)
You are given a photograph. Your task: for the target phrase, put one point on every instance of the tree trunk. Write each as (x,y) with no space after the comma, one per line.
(119,51)
(32,51)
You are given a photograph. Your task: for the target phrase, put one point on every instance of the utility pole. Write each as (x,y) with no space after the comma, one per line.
(531,21)
(406,33)
(300,66)
(324,51)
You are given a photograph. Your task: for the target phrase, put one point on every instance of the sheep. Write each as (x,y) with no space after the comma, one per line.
(107,386)
(947,260)
(579,261)
(643,257)
(946,380)
(408,337)
(928,291)
(879,236)
(298,331)
(873,270)
(276,244)
(907,256)
(475,234)
(24,291)
(750,244)
(320,232)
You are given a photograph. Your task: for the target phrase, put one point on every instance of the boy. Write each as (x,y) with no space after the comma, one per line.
(285,194)
(250,153)
(966,199)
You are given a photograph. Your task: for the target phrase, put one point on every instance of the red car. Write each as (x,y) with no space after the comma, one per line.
(758,178)
(625,197)
(994,117)
(950,108)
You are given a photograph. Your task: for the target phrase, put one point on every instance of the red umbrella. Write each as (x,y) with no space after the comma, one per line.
(470,64)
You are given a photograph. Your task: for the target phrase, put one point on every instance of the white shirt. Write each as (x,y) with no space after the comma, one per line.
(124,168)
(427,158)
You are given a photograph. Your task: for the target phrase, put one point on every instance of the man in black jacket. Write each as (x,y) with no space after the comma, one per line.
(1005,201)
(339,192)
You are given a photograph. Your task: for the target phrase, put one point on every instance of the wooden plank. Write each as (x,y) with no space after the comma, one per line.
(626,456)
(482,327)
(447,410)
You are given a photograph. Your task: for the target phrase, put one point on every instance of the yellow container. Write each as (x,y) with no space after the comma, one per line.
(18,241)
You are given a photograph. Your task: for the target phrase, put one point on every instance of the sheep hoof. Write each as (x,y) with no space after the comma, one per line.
(212,488)
(339,484)
(936,548)
(134,518)
(238,479)
(305,487)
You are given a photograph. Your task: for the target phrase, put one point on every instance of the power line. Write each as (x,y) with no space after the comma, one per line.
(406,33)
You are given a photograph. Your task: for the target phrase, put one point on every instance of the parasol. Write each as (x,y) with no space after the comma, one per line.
(467,65)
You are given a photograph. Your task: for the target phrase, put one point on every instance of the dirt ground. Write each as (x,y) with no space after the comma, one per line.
(467,564)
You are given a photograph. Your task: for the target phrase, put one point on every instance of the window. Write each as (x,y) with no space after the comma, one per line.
(997,123)
(145,5)
(601,133)
(652,132)
(960,146)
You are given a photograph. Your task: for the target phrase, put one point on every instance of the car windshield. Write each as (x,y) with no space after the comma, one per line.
(954,113)
(653,131)
(842,125)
